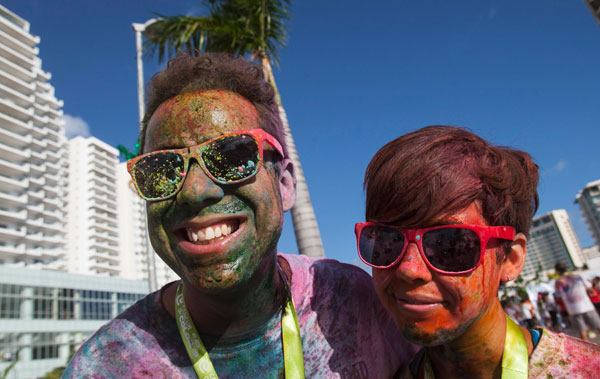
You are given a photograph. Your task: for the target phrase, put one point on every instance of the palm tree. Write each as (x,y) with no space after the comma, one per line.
(253,28)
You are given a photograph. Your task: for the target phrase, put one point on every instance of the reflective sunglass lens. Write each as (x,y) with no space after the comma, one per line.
(159,175)
(452,249)
(380,246)
(231,158)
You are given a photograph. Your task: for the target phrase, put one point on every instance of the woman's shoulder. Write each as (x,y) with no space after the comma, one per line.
(560,355)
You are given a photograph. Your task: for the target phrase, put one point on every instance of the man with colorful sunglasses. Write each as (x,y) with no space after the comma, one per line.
(215,173)
(448,217)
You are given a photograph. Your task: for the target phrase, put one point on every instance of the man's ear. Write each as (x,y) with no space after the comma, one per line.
(287,184)
(515,258)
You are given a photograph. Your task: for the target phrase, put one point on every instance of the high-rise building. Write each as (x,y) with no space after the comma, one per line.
(33,170)
(139,261)
(552,240)
(589,204)
(93,227)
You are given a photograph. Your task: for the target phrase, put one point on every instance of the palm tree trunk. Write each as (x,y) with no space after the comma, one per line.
(306,229)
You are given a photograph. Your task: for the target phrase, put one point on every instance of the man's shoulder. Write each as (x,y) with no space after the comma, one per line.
(559,355)
(329,273)
(120,343)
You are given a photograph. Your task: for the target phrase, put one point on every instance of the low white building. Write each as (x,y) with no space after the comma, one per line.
(45,315)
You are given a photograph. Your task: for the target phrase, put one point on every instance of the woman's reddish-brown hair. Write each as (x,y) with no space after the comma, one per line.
(424,177)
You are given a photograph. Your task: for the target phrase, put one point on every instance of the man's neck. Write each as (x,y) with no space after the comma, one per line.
(477,353)
(233,313)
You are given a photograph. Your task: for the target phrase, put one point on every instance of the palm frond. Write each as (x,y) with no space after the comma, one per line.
(169,35)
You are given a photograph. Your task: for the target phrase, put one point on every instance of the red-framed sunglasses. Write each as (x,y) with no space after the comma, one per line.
(446,249)
(227,159)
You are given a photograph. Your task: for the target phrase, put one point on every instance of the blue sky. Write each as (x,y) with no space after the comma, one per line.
(353,77)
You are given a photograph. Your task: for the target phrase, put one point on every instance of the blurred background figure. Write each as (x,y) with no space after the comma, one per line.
(574,291)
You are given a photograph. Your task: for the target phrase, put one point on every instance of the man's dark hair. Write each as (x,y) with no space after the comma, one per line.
(560,267)
(186,74)
(422,177)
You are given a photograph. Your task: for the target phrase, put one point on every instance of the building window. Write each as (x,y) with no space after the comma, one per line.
(44,346)
(96,305)
(9,343)
(10,301)
(66,304)
(42,302)
(125,300)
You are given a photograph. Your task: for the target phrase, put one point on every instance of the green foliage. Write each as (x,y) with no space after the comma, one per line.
(126,154)
(4,373)
(241,27)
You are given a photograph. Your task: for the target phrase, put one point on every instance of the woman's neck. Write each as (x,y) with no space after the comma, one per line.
(477,353)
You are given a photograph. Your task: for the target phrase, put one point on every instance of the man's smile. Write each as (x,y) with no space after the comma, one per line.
(210,235)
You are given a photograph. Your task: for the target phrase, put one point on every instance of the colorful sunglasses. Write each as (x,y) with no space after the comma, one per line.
(227,159)
(446,249)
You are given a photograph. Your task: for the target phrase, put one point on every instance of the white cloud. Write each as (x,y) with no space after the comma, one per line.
(76,126)
(560,165)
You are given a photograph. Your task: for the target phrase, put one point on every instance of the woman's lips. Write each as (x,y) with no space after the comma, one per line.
(418,303)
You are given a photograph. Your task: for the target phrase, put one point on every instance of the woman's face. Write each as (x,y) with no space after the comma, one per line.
(432,308)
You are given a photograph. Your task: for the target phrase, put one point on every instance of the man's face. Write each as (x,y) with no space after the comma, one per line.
(184,230)
(432,308)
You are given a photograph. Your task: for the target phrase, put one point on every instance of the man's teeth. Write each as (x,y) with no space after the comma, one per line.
(213,232)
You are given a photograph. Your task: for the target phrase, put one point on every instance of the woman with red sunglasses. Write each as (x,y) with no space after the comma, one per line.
(447,221)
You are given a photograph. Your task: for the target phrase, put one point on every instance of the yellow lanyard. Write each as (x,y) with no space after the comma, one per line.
(515,359)
(290,331)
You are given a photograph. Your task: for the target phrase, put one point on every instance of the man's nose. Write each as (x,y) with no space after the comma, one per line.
(198,189)
(412,267)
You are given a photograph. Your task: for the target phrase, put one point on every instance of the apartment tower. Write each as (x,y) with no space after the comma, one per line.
(552,240)
(589,204)
(33,173)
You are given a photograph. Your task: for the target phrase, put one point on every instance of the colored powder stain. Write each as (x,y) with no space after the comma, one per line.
(563,363)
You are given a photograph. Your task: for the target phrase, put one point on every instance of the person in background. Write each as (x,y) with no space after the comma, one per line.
(595,293)
(447,218)
(574,291)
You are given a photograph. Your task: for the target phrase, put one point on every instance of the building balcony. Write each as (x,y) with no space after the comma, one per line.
(43,75)
(14,125)
(17,45)
(38,182)
(15,70)
(39,133)
(11,169)
(38,157)
(18,33)
(16,84)
(52,168)
(16,111)
(55,124)
(14,155)
(105,227)
(12,200)
(12,215)
(9,251)
(52,201)
(48,99)
(103,184)
(40,224)
(110,211)
(103,217)
(106,248)
(18,98)
(11,232)
(12,185)
(17,57)
(110,238)
(105,268)
(14,139)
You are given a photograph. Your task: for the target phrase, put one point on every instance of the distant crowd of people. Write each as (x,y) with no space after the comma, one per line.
(575,304)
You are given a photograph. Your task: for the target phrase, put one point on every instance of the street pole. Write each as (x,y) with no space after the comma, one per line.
(139,29)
